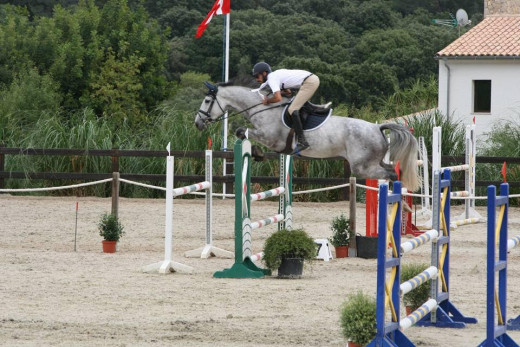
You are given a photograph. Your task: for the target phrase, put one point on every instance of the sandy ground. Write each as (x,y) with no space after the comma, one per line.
(52,295)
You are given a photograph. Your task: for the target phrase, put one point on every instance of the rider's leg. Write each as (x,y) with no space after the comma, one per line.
(298,128)
(309,86)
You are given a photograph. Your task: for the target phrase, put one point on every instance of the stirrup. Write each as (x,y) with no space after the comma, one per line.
(299,147)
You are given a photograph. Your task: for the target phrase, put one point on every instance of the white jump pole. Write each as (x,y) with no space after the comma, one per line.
(167,265)
(209,250)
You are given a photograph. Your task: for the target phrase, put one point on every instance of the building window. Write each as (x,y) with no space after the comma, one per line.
(482,96)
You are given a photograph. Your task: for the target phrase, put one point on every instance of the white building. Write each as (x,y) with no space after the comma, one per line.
(479,73)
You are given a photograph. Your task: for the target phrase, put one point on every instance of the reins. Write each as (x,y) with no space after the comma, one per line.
(221,118)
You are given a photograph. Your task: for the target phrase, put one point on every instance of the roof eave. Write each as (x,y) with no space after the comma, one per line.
(477,57)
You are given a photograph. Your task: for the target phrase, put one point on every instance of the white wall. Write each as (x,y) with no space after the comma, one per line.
(505,90)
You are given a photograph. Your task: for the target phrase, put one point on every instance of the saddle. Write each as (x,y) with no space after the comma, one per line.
(313,116)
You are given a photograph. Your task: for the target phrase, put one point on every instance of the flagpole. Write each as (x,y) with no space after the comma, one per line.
(226,77)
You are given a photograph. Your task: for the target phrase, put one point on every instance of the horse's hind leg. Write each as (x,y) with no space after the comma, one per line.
(392,175)
(373,169)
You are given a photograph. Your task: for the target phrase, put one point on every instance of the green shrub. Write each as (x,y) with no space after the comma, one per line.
(358,318)
(419,295)
(110,227)
(341,231)
(288,244)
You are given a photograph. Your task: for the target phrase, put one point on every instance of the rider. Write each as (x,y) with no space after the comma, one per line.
(284,80)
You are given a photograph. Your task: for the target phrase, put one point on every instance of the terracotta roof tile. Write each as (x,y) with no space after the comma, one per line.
(494,36)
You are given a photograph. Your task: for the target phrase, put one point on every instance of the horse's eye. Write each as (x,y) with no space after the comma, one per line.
(206,101)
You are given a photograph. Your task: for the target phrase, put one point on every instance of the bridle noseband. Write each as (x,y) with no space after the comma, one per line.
(212,92)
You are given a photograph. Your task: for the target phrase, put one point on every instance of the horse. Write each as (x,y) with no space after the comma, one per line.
(363,144)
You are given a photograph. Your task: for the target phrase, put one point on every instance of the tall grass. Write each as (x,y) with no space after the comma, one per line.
(503,140)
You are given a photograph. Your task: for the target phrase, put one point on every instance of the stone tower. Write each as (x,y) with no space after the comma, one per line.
(501,7)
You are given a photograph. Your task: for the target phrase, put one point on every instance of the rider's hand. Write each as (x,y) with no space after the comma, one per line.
(264,100)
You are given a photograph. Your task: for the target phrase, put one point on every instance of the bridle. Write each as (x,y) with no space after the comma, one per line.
(205,116)
(212,92)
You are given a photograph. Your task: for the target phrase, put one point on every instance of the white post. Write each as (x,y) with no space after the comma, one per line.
(167,265)
(209,250)
(225,122)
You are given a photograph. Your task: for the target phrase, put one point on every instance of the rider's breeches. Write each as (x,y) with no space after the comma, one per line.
(309,86)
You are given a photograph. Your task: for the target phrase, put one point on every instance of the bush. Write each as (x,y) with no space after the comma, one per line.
(341,231)
(358,318)
(419,295)
(110,227)
(288,244)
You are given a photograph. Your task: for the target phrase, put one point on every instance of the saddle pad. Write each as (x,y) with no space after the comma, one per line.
(313,121)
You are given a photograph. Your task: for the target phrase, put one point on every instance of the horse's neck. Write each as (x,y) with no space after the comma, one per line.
(241,98)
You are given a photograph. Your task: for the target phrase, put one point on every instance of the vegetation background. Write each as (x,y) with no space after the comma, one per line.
(128,74)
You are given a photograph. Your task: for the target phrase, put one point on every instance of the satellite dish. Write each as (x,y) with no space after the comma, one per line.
(462,18)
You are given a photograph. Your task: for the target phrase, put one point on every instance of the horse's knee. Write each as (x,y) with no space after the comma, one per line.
(241,133)
(257,153)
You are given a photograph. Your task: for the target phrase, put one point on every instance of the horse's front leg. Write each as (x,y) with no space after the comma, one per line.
(256,152)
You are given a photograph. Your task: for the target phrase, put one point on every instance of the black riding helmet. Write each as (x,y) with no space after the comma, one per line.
(261,67)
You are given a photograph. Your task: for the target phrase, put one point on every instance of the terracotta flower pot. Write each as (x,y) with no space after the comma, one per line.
(409,310)
(352,344)
(341,251)
(109,246)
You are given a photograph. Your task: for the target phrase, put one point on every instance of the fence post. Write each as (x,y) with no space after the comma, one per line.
(115,193)
(346,175)
(115,182)
(352,247)
(2,166)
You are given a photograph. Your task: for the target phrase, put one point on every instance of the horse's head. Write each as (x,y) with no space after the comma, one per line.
(207,112)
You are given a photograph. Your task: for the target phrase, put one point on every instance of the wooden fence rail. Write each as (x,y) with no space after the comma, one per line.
(116,154)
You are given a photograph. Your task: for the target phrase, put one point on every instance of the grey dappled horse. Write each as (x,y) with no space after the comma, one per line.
(362,143)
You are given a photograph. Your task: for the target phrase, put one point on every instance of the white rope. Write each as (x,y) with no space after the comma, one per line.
(142,184)
(367,187)
(54,188)
(321,189)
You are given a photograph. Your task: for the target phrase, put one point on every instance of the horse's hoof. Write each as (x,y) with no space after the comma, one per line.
(257,153)
(241,133)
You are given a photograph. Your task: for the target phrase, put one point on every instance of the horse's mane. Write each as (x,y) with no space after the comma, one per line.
(241,81)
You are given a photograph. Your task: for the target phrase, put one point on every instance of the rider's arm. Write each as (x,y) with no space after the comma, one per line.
(277,97)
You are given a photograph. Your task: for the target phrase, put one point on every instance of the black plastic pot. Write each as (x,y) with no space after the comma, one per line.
(366,247)
(291,268)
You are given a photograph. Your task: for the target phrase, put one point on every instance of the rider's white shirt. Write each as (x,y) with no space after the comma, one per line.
(285,79)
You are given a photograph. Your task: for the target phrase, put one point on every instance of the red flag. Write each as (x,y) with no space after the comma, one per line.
(220,7)
(209,142)
(473,119)
(398,170)
(504,171)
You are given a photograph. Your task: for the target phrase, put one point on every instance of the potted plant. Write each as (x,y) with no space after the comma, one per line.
(111,230)
(341,235)
(414,299)
(286,250)
(358,319)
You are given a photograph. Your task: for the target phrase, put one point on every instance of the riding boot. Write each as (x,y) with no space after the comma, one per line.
(298,128)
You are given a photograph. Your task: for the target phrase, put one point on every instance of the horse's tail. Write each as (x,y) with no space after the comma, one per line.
(404,148)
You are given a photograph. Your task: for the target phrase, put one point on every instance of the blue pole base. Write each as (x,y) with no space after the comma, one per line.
(513,323)
(394,339)
(448,316)
(502,341)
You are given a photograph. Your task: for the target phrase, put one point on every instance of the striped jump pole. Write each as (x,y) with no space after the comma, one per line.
(470,215)
(208,250)
(446,315)
(496,328)
(438,310)
(168,265)
(244,257)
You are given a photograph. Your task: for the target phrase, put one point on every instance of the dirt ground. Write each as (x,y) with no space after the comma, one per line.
(51,295)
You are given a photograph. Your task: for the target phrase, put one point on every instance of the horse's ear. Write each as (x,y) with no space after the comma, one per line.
(212,88)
